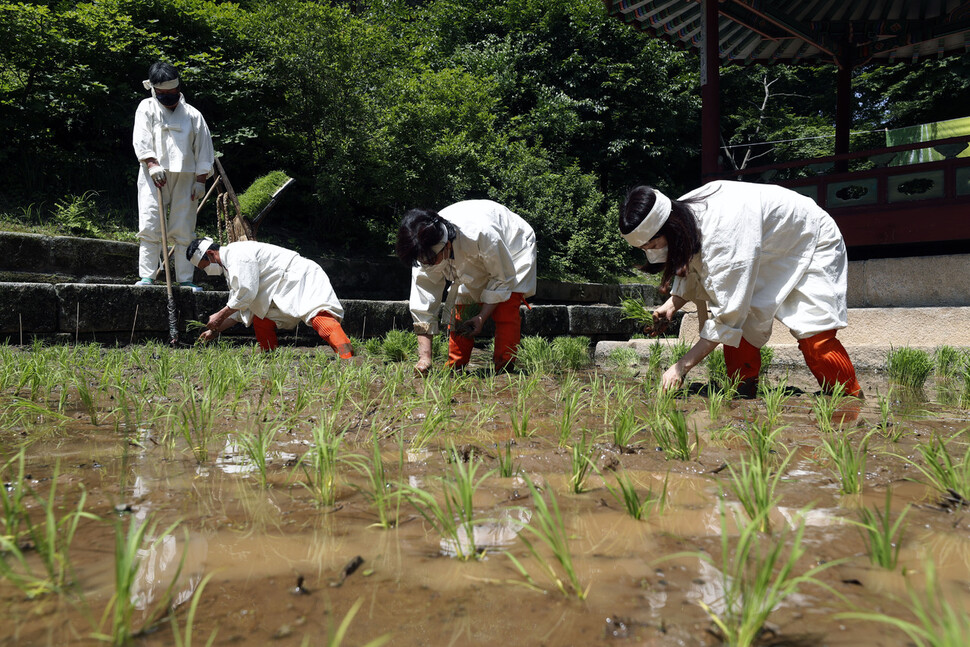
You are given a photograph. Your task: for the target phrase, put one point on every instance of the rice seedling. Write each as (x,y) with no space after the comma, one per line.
(940,622)
(673,437)
(755,577)
(626,495)
(624,361)
(455,520)
(716,369)
(678,350)
(570,406)
(909,366)
(162,373)
(378,491)
(194,421)
(551,532)
(625,427)
(887,424)
(256,444)
(434,422)
(572,353)
(119,613)
(319,463)
(335,636)
(825,408)
(506,462)
(767,356)
(882,537)
(755,484)
(716,399)
(87,399)
(850,463)
(399,346)
(185,640)
(635,309)
(943,471)
(581,462)
(774,400)
(656,358)
(947,362)
(519,418)
(535,356)
(763,441)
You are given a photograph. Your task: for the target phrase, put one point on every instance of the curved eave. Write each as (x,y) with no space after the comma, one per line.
(765,42)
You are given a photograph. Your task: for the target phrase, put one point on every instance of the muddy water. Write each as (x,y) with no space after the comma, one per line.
(276,558)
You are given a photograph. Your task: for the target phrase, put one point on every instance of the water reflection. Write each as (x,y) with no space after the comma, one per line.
(491,534)
(160,561)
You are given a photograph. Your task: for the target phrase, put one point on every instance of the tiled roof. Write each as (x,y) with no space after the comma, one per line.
(767,31)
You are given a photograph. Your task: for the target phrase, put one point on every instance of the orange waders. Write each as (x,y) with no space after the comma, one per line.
(508,334)
(824,354)
(324,323)
(743,364)
(829,362)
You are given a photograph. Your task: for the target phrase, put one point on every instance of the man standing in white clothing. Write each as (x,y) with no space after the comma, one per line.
(174,148)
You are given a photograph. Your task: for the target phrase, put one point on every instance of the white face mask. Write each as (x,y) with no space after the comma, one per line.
(213,269)
(448,269)
(656,255)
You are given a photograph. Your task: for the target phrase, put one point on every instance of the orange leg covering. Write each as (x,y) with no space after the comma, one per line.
(508,331)
(743,362)
(265,330)
(459,346)
(331,332)
(829,362)
(508,334)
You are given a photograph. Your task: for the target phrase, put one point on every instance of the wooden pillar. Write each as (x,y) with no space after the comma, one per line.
(710,91)
(843,107)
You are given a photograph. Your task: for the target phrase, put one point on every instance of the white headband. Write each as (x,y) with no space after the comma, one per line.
(437,247)
(164,85)
(651,223)
(199,253)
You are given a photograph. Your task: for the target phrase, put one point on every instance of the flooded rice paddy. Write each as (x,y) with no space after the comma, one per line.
(292,498)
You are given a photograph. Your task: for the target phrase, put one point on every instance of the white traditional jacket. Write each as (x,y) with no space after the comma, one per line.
(179,139)
(494,255)
(766,252)
(271,282)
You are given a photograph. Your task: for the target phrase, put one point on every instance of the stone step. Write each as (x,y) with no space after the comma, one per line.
(871,334)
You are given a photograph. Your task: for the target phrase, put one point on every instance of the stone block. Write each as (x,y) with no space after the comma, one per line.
(548,292)
(28,308)
(97,308)
(599,321)
(82,257)
(545,321)
(24,252)
(374,318)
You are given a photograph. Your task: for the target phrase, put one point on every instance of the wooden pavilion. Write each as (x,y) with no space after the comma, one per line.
(894,203)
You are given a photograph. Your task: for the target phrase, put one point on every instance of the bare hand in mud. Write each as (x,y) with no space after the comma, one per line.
(658,327)
(662,317)
(671,379)
(207,336)
(472,327)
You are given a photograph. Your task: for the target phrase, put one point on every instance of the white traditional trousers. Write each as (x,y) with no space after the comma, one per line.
(177,199)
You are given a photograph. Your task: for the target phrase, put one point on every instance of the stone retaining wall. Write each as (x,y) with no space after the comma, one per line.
(119,313)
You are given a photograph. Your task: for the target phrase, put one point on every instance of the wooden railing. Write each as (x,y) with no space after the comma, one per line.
(880,204)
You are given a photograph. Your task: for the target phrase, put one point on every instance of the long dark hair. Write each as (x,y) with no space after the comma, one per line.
(420,230)
(681,230)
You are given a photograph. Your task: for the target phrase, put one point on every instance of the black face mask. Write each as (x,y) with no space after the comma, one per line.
(168,100)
